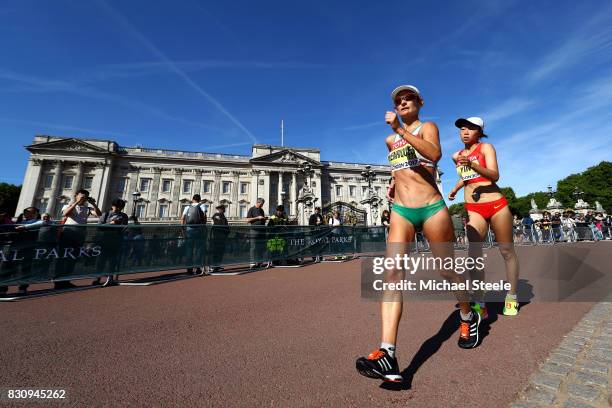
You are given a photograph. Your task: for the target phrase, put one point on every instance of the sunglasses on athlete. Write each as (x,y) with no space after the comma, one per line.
(407,98)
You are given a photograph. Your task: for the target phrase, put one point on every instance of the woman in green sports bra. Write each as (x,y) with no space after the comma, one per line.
(414,149)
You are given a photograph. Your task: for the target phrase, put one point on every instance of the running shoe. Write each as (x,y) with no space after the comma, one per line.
(379,364)
(481,309)
(510,307)
(468,332)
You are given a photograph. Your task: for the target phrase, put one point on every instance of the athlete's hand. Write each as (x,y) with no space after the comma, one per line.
(451,195)
(392,120)
(463,161)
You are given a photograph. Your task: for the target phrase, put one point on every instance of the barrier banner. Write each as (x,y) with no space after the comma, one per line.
(61,252)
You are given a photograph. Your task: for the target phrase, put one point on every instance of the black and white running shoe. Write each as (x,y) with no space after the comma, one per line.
(379,364)
(468,332)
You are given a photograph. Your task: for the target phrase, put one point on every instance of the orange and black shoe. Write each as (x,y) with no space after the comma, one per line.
(379,364)
(468,332)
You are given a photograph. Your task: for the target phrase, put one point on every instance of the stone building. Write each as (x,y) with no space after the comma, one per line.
(167,179)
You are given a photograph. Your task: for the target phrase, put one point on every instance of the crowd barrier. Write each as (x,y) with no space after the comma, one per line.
(56,253)
(61,253)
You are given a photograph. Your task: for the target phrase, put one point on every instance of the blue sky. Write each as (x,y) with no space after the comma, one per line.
(214,76)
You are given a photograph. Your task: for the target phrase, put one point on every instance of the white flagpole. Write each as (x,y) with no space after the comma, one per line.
(282,133)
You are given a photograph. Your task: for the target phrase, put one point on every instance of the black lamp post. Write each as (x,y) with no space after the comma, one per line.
(369,176)
(577,193)
(551,192)
(307,171)
(135,200)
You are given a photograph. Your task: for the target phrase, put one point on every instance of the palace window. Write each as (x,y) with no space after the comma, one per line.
(42,205)
(121,185)
(163,210)
(207,186)
(144,185)
(187,186)
(87,182)
(48,181)
(140,210)
(68,180)
(227,187)
(166,186)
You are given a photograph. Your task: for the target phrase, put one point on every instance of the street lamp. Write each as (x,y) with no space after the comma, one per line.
(307,171)
(135,200)
(369,176)
(550,193)
(577,193)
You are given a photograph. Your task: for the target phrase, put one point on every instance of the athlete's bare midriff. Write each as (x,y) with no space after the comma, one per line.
(493,192)
(415,188)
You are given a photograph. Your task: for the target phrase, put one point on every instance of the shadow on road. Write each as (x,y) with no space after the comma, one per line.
(427,349)
(449,328)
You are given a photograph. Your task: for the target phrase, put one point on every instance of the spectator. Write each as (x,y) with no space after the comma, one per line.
(608,226)
(194,214)
(256,217)
(556,226)
(518,229)
(218,237)
(568,225)
(598,226)
(385,219)
(316,218)
(113,239)
(29,220)
(545,226)
(278,219)
(75,213)
(335,221)
(528,227)
(458,228)
(5,219)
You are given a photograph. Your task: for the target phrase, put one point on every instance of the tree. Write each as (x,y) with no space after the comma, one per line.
(508,192)
(594,183)
(9,196)
(457,209)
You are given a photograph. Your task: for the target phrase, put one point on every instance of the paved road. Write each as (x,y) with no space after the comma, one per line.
(281,337)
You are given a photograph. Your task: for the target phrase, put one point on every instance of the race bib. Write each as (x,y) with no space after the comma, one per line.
(467,173)
(403,156)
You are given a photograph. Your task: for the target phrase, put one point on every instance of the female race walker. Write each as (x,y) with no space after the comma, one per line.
(486,205)
(414,148)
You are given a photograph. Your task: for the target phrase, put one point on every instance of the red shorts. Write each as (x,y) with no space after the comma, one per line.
(487,210)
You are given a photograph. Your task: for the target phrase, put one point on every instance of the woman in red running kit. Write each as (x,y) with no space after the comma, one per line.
(486,205)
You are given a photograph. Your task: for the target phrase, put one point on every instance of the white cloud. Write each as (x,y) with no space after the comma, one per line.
(506,109)
(128,27)
(588,44)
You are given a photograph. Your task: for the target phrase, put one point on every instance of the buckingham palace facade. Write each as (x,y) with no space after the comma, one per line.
(167,179)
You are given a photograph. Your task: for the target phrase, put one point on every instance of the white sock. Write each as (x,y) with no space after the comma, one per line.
(389,347)
(466,317)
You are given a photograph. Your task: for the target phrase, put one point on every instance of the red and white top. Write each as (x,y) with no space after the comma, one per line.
(468,174)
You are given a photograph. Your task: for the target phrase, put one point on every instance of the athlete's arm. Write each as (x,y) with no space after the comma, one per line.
(391,190)
(429,145)
(455,190)
(491,171)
